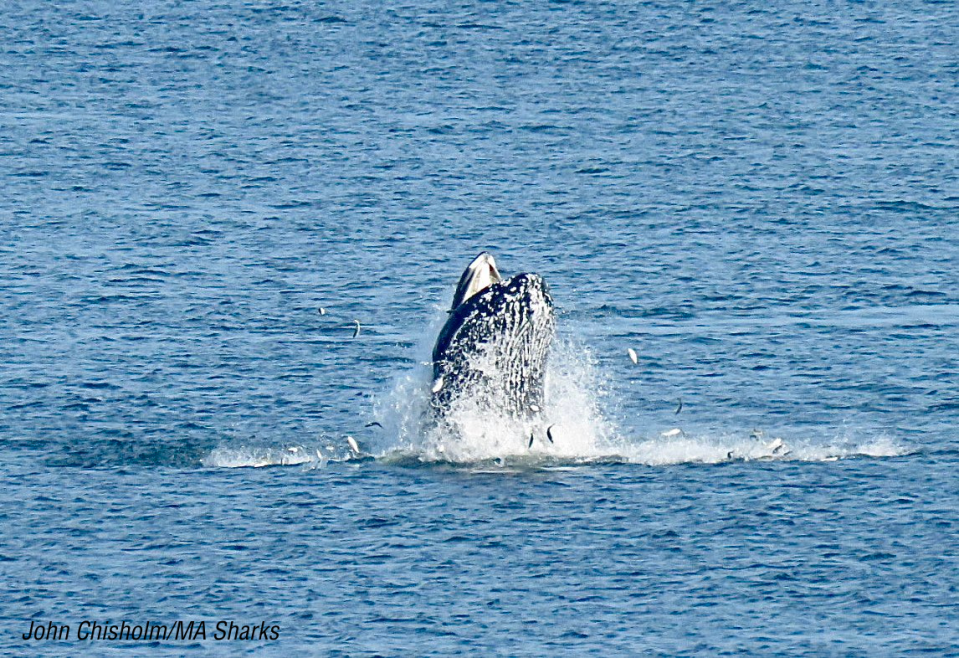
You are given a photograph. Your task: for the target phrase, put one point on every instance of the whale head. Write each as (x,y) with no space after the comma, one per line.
(494,346)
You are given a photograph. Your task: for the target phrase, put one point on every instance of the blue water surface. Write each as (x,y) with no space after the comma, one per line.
(761,199)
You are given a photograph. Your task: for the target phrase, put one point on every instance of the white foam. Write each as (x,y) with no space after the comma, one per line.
(258,457)
(708,449)
(506,443)
(477,429)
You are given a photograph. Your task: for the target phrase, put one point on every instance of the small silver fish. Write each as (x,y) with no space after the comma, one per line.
(354,446)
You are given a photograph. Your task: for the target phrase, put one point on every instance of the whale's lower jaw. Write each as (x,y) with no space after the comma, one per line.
(492,352)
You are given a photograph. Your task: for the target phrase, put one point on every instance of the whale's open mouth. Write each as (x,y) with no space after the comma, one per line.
(478,276)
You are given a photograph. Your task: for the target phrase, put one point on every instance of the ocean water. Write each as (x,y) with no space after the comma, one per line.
(760,199)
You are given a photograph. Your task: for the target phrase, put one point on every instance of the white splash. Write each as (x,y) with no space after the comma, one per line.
(250,457)
(476,430)
(712,448)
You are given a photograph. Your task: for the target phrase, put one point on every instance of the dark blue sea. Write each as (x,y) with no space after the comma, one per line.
(202,201)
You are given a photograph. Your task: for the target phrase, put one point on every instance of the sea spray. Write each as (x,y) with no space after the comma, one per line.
(570,425)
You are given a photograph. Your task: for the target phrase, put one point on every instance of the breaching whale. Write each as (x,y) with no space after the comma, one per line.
(493,349)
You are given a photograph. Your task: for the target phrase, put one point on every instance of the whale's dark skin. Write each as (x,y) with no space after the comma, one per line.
(494,347)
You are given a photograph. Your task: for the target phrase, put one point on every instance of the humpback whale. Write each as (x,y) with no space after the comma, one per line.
(493,349)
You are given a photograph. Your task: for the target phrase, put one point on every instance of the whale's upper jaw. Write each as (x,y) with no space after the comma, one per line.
(478,276)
